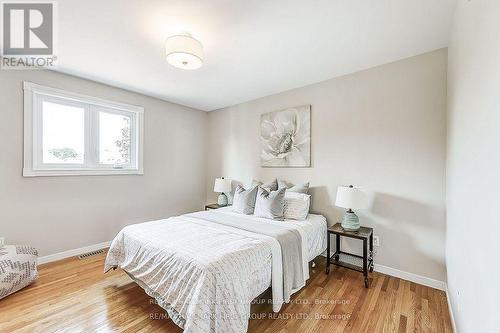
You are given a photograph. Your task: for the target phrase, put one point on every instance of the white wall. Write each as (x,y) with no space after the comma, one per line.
(473,166)
(383,128)
(61,213)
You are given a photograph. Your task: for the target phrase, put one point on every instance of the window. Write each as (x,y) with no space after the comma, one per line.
(72,134)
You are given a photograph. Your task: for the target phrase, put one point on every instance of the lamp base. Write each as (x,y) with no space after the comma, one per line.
(350,221)
(222,200)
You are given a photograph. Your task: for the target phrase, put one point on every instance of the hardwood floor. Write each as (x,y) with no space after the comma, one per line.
(74,295)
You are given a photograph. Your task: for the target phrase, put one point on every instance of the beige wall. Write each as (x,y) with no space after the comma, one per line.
(55,214)
(384,129)
(473,166)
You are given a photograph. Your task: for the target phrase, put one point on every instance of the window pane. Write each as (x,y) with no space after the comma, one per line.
(63,133)
(114,139)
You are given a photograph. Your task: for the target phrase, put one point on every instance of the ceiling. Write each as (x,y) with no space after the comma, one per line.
(252,48)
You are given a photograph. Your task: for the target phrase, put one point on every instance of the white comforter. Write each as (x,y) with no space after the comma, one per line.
(205,274)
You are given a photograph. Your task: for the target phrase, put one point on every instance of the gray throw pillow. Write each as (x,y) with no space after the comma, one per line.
(244,200)
(271,186)
(270,204)
(299,188)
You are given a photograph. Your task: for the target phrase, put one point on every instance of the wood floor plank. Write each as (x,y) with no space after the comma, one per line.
(402,324)
(75,295)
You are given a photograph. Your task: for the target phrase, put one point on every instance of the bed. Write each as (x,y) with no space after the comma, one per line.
(205,268)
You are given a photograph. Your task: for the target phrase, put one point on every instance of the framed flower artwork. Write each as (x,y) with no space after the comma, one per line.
(286,138)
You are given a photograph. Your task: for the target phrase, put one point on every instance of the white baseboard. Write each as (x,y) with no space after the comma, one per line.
(450,309)
(423,280)
(73,252)
(411,277)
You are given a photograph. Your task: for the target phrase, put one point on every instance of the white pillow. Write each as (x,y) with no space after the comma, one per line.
(244,200)
(300,188)
(296,205)
(270,205)
(270,186)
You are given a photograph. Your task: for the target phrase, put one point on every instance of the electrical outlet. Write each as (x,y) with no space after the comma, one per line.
(376,241)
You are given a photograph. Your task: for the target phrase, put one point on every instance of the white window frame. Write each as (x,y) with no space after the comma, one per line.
(34,94)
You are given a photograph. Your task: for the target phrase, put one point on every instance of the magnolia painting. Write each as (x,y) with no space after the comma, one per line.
(286,137)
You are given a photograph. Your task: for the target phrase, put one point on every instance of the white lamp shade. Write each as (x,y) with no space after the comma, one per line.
(184,52)
(351,197)
(222,185)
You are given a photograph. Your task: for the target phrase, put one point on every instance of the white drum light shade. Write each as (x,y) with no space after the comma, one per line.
(351,197)
(222,185)
(184,52)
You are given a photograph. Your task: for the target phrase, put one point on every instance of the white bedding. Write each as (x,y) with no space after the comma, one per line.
(314,228)
(205,274)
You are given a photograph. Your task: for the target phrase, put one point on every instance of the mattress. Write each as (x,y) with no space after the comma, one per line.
(315,229)
(211,262)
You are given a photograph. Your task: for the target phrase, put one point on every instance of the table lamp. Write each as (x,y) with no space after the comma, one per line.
(350,197)
(222,186)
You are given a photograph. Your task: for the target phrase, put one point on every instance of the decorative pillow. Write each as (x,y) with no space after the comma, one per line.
(296,205)
(17,268)
(270,204)
(271,186)
(299,188)
(244,200)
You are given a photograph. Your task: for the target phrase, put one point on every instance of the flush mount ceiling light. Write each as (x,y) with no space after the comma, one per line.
(185,52)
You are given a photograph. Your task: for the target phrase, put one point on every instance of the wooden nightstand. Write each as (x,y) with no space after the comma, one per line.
(212,206)
(362,263)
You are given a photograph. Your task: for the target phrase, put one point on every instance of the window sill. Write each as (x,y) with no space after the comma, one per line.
(86,172)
